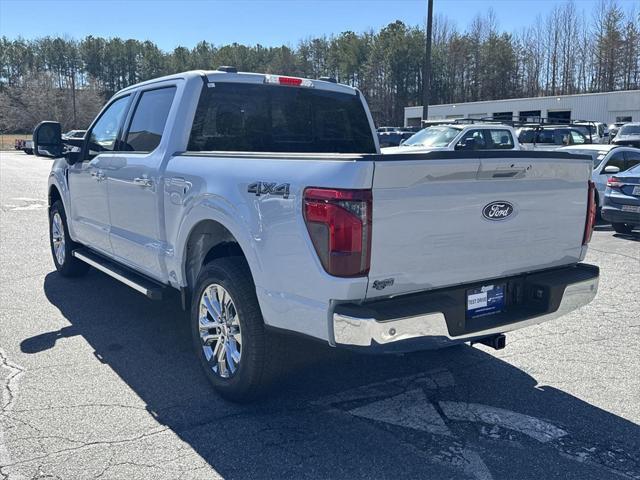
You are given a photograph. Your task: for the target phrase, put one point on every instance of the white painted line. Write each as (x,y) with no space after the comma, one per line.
(410,410)
(533,427)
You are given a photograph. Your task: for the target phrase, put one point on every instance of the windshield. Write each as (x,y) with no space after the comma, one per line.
(630,130)
(433,137)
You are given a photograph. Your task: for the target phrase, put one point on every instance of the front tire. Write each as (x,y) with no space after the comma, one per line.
(624,228)
(239,357)
(61,244)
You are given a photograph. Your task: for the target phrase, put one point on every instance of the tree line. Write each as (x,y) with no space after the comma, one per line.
(565,51)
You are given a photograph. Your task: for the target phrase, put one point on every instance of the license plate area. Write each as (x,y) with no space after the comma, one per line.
(631,208)
(485,300)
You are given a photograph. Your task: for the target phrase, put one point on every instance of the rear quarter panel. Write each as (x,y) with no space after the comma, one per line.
(293,288)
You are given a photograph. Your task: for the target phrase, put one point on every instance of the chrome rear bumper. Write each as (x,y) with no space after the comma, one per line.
(368,332)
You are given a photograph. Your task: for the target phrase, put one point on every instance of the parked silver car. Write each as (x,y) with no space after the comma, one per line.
(629,134)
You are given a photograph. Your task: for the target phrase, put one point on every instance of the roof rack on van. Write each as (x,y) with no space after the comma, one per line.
(539,123)
(227,68)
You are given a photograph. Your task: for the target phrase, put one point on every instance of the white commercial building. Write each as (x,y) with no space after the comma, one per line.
(607,107)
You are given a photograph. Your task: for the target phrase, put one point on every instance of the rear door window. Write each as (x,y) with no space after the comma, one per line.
(526,136)
(632,159)
(272,118)
(616,160)
(149,120)
(577,138)
(501,139)
(562,137)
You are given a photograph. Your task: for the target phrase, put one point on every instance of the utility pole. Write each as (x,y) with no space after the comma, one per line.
(73,95)
(426,77)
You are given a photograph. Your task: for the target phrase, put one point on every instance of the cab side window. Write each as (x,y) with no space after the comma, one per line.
(577,138)
(501,139)
(561,137)
(479,142)
(632,159)
(149,120)
(104,134)
(616,160)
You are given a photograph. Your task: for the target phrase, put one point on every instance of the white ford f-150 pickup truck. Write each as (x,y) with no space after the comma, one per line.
(265,201)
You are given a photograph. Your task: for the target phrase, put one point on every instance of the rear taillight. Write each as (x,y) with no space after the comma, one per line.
(339,224)
(614,182)
(591,214)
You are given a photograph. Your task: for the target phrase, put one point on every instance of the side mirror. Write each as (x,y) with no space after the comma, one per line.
(402,141)
(611,169)
(47,140)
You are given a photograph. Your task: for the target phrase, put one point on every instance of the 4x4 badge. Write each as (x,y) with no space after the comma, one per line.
(269,188)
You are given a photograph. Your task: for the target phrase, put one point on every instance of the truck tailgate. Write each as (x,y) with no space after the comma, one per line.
(447,218)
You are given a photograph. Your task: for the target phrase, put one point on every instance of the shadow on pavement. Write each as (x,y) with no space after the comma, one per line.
(634,236)
(291,435)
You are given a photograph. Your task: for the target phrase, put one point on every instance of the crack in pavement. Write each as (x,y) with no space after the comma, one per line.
(14,372)
(84,445)
(615,253)
(7,396)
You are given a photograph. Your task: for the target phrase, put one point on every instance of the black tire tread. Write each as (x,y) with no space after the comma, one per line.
(72,266)
(622,228)
(264,364)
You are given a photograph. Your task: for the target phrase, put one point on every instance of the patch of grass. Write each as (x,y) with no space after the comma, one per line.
(7,141)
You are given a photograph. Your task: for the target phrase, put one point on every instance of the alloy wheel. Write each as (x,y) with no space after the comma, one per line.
(57,238)
(219,328)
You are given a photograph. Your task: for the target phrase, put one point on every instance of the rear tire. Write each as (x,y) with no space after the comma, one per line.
(61,244)
(240,358)
(622,228)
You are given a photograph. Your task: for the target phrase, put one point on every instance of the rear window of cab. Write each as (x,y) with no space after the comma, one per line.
(273,118)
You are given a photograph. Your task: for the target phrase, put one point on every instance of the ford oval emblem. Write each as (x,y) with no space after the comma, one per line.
(497,210)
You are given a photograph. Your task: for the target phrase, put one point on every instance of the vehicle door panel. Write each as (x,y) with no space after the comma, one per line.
(89,207)
(134,184)
(88,188)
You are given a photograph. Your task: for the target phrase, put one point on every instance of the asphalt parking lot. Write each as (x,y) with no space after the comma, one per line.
(96,381)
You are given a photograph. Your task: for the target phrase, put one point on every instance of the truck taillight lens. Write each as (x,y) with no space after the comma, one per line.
(614,182)
(339,224)
(591,214)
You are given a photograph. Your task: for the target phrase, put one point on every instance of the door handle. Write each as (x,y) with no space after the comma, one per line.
(98,175)
(143,182)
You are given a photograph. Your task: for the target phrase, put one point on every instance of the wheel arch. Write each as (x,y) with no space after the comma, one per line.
(54,195)
(208,240)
